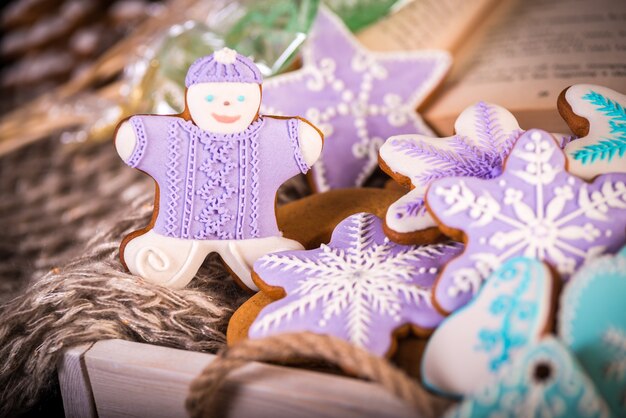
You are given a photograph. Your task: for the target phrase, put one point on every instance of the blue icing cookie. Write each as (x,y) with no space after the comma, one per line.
(592,324)
(544,381)
(512,310)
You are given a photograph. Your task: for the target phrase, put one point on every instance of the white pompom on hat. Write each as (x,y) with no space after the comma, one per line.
(223,66)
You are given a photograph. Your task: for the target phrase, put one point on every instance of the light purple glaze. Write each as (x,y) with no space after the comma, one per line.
(479,155)
(535,209)
(216,186)
(360,287)
(358,98)
(210,70)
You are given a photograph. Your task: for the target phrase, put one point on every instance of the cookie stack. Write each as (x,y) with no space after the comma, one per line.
(507,251)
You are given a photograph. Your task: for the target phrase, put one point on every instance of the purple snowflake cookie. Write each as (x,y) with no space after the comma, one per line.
(355,96)
(485,134)
(361,287)
(535,208)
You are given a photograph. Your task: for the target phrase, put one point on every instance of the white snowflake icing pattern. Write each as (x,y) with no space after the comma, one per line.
(339,95)
(545,231)
(363,281)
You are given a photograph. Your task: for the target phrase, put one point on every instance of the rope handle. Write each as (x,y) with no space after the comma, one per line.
(307,346)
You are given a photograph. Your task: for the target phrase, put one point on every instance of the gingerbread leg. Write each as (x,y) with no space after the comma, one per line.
(171,262)
(241,255)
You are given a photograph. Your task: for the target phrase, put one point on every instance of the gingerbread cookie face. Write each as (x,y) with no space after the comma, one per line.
(224,108)
(355,96)
(535,208)
(361,287)
(485,134)
(512,311)
(217,174)
(546,381)
(592,324)
(598,116)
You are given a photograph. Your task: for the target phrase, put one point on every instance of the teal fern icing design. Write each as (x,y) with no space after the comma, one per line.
(511,307)
(607,148)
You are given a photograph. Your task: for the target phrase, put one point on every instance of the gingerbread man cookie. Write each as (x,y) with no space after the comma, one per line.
(513,310)
(598,116)
(217,166)
(355,96)
(361,287)
(485,134)
(535,208)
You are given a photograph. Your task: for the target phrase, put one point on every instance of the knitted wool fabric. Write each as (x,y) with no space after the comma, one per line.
(63,213)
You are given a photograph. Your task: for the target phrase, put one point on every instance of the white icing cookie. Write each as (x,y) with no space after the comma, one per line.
(470,348)
(597,115)
(485,133)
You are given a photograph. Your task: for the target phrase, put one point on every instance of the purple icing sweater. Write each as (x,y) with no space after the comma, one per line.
(216,186)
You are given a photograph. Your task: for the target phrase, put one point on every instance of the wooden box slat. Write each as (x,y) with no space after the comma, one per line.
(139,380)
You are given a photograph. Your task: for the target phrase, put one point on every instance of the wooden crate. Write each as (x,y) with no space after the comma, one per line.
(116,378)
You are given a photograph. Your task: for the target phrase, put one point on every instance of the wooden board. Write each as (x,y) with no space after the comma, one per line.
(74,383)
(139,380)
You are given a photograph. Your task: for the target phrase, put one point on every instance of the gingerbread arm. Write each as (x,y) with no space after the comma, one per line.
(125,140)
(310,140)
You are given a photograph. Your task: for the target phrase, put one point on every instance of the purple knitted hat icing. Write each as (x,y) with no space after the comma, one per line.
(225,65)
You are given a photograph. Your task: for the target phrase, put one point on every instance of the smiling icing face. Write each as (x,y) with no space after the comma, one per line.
(223,107)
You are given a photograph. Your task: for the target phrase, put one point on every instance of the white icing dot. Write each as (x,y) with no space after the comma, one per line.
(373,109)
(342,108)
(362,132)
(366,87)
(571,181)
(502,183)
(363,97)
(338,85)
(536,136)
(529,147)
(482,240)
(347,95)
(359,122)
(608,233)
(432,270)
(331,112)
(322,323)
(397,318)
(422,270)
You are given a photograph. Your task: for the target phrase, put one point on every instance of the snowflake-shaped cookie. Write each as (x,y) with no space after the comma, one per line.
(535,208)
(355,96)
(592,324)
(361,287)
(597,115)
(485,134)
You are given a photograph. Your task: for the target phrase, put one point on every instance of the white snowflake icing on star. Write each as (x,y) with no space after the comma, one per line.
(338,89)
(564,221)
(357,284)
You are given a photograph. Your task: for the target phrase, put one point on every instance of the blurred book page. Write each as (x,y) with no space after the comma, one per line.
(425,24)
(528,52)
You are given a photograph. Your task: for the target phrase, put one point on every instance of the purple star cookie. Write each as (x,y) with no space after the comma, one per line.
(355,96)
(535,208)
(361,287)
